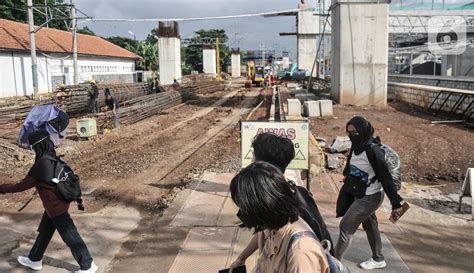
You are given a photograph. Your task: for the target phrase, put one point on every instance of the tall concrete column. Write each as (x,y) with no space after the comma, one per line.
(308,29)
(169,50)
(359,52)
(285,60)
(209,59)
(235,63)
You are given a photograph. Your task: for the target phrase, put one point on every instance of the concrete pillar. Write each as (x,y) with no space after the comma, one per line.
(209,59)
(235,62)
(308,28)
(286,60)
(169,50)
(359,52)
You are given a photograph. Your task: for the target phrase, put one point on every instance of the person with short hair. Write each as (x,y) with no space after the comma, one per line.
(278,151)
(273,149)
(267,205)
(56,216)
(112,105)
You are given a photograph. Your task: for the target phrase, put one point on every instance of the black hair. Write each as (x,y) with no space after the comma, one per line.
(107,91)
(264,197)
(276,150)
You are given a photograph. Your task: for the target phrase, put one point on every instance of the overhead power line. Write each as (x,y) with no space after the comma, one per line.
(192,18)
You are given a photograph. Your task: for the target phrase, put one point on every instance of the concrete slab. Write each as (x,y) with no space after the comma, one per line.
(205,203)
(211,238)
(294,107)
(326,108)
(103,231)
(360,251)
(311,109)
(200,261)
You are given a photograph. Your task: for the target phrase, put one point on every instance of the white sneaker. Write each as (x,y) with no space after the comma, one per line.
(372,264)
(25,261)
(93,269)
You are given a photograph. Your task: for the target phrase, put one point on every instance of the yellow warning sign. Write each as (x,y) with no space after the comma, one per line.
(297,132)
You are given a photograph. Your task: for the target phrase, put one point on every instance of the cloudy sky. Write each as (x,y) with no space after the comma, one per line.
(246,33)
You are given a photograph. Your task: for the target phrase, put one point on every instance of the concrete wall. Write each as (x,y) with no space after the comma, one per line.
(235,61)
(169,50)
(359,52)
(209,61)
(448,82)
(422,95)
(16,75)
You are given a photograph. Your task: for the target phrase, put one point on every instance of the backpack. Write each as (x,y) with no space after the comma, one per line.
(310,213)
(66,183)
(335,266)
(393,163)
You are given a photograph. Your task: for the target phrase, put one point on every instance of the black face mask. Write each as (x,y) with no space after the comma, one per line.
(356,139)
(246,221)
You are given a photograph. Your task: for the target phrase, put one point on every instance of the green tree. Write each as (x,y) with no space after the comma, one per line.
(86,30)
(151,37)
(122,41)
(192,54)
(148,53)
(16,10)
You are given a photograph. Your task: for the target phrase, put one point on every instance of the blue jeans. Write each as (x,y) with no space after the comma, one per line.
(66,228)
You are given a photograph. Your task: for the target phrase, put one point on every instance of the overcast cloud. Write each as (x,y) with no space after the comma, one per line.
(250,32)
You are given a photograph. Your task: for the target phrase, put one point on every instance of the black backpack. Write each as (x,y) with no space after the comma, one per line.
(310,213)
(66,183)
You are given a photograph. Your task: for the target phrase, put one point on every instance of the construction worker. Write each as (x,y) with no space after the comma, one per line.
(112,105)
(93,96)
(175,84)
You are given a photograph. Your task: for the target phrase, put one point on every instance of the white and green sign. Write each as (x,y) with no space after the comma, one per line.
(296,131)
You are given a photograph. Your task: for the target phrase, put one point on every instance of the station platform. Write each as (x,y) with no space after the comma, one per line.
(213,240)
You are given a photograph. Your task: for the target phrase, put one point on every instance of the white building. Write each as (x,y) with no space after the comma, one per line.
(97,59)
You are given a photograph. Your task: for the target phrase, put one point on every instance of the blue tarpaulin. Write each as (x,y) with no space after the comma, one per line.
(45,117)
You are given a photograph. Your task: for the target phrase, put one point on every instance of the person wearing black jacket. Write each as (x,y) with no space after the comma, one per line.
(366,162)
(56,216)
(93,97)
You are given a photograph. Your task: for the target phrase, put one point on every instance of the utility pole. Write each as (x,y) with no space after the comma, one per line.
(34,66)
(218,61)
(74,42)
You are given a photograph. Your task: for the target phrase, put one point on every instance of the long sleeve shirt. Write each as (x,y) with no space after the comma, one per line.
(51,203)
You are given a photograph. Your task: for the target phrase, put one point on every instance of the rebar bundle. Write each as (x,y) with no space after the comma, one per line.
(74,99)
(137,109)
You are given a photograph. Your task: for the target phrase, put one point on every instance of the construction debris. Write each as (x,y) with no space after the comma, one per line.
(340,145)
(333,161)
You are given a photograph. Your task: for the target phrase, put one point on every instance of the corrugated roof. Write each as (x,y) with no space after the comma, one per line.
(14,35)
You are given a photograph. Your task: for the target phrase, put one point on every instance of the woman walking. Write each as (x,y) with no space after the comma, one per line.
(366,178)
(56,216)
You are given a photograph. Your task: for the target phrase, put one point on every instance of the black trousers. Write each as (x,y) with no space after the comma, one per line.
(68,232)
